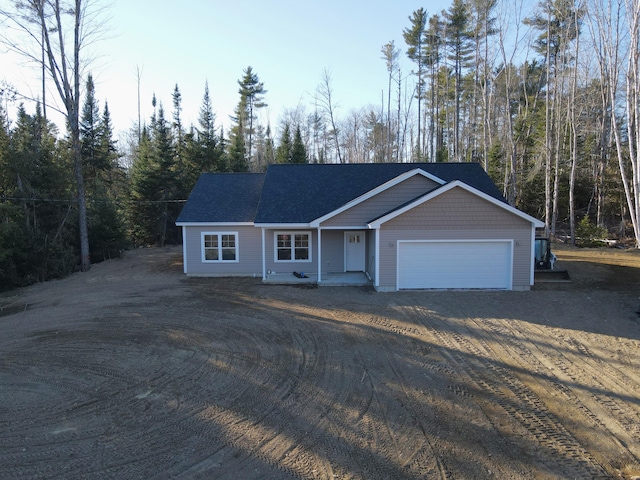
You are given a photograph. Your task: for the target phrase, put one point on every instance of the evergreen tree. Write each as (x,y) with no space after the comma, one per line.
(283,152)
(458,39)
(13,250)
(44,193)
(415,39)
(106,143)
(433,59)
(298,150)
(237,153)
(155,186)
(90,131)
(211,156)
(269,149)
(177,128)
(251,99)
(107,235)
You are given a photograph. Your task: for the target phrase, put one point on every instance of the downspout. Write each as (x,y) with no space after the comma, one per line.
(319,255)
(264,260)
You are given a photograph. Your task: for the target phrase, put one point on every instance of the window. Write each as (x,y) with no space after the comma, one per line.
(219,247)
(293,247)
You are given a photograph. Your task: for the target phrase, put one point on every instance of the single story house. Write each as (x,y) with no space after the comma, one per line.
(403,225)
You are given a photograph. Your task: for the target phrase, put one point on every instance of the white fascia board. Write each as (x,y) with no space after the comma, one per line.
(215,224)
(283,226)
(345,227)
(457,183)
(385,186)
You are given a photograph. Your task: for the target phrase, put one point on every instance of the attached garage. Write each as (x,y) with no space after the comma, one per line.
(452,264)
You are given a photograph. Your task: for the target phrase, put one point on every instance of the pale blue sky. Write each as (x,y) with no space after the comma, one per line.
(288,43)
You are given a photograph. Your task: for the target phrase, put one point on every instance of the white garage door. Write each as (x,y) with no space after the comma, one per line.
(454,264)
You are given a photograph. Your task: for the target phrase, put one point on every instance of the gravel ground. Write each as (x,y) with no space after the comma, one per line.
(132,370)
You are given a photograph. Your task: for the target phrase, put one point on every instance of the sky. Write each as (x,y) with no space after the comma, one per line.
(288,44)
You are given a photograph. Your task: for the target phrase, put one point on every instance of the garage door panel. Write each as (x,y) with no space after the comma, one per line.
(454,264)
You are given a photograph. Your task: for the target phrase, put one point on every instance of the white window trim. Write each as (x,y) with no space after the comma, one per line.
(219,234)
(292,233)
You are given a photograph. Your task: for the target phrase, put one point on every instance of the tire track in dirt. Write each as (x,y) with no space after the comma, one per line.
(515,398)
(573,365)
(425,459)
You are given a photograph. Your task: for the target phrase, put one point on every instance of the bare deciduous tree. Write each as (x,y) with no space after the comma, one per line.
(324,99)
(53,35)
(612,22)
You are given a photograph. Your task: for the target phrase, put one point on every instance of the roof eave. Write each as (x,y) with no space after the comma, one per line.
(282,225)
(214,224)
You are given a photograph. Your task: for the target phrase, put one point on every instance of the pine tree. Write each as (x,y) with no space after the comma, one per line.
(237,153)
(107,235)
(458,39)
(283,152)
(415,39)
(298,150)
(13,249)
(177,128)
(41,170)
(251,99)
(269,149)
(155,186)
(211,156)
(89,131)
(433,59)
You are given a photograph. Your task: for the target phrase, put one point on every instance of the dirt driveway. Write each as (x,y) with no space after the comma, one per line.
(133,370)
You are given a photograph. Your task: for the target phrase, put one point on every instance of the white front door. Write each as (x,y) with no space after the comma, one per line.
(354,249)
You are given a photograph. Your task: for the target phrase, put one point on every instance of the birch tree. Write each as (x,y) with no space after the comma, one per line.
(616,31)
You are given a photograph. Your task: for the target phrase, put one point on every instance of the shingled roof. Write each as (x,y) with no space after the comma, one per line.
(303,193)
(223,198)
(295,194)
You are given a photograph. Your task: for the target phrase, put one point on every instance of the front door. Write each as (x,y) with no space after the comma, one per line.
(354,249)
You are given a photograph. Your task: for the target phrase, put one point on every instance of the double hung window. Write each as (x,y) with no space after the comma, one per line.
(220,247)
(293,247)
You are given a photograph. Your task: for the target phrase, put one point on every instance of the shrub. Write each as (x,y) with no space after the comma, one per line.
(590,235)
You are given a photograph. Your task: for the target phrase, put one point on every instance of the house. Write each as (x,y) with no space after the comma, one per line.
(403,225)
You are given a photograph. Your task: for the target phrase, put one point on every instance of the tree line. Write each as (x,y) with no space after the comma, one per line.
(547,100)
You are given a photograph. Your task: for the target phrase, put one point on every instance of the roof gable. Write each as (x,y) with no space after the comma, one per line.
(376,223)
(376,191)
(223,198)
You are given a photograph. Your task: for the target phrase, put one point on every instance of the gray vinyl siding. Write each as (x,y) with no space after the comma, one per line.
(249,252)
(382,203)
(457,215)
(332,251)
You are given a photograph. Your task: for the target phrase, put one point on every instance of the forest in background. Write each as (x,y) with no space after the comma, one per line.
(548,103)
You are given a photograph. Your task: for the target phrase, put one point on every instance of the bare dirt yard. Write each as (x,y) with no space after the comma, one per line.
(133,370)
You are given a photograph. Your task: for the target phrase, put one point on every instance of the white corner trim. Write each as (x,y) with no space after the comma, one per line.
(372,193)
(449,186)
(184,249)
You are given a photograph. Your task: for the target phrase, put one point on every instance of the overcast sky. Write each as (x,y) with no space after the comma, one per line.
(288,43)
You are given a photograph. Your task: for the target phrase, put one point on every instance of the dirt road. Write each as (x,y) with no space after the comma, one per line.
(132,370)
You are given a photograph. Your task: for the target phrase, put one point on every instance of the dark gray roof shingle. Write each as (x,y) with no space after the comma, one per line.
(223,197)
(303,193)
